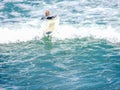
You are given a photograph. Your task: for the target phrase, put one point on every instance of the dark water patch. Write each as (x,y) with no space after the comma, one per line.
(70,64)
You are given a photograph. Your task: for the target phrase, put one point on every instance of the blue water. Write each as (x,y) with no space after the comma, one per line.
(83,53)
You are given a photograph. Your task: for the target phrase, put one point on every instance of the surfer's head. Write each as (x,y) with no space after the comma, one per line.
(47,13)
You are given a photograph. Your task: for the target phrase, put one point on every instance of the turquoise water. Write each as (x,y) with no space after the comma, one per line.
(83,53)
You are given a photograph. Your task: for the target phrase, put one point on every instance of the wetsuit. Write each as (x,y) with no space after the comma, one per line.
(48,18)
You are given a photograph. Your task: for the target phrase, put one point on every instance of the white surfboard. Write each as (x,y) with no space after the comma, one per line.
(51,25)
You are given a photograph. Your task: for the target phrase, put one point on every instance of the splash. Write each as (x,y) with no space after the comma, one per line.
(8,35)
(70,32)
(26,33)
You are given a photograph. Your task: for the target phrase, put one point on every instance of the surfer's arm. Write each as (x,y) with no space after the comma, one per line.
(43,18)
(51,17)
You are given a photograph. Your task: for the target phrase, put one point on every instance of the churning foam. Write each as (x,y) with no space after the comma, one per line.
(15,35)
(70,32)
(63,32)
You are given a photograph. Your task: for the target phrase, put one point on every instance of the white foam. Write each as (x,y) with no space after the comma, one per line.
(32,29)
(15,13)
(21,34)
(25,6)
(70,32)
(13,0)
(1,5)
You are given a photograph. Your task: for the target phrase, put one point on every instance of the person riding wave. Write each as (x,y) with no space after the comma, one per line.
(51,23)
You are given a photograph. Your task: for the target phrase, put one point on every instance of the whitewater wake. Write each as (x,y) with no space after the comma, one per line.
(13,35)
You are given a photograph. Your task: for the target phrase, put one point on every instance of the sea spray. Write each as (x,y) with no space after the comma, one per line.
(63,32)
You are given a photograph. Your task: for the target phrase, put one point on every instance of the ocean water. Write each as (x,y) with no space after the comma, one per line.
(83,53)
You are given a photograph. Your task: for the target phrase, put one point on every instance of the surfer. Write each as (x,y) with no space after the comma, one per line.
(51,23)
(47,15)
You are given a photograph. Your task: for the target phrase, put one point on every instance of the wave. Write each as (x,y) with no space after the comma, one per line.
(22,33)
(69,32)
(19,33)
